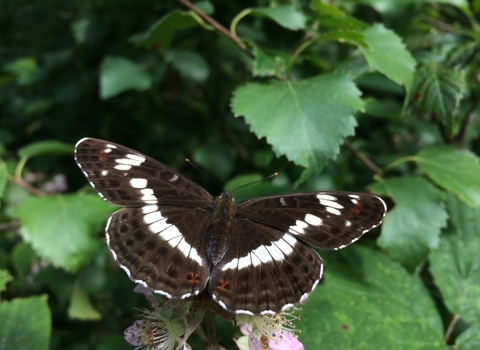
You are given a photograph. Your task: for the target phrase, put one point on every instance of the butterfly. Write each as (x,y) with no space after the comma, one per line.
(254,257)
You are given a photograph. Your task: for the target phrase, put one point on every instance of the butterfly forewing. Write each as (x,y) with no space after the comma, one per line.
(129,178)
(327,220)
(253,258)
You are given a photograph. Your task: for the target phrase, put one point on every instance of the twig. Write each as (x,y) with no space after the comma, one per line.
(305,37)
(364,159)
(451,326)
(460,136)
(5,226)
(215,24)
(22,183)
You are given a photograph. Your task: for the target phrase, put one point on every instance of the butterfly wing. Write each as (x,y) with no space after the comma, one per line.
(161,247)
(327,220)
(158,238)
(129,178)
(264,270)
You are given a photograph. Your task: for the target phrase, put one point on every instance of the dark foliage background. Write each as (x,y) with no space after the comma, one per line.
(354,95)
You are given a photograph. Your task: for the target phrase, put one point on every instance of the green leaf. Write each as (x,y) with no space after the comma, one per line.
(387,53)
(3,178)
(267,63)
(118,74)
(285,15)
(5,277)
(25,324)
(70,222)
(161,34)
(23,257)
(455,170)
(80,306)
(190,64)
(413,226)
(45,147)
(25,70)
(366,301)
(470,339)
(216,158)
(305,120)
(438,90)
(79,29)
(345,36)
(334,18)
(455,265)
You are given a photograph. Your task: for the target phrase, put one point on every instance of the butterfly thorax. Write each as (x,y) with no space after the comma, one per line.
(218,234)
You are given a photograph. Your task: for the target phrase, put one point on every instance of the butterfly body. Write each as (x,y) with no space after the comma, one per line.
(254,257)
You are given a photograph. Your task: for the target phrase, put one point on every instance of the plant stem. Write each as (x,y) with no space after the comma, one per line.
(236,19)
(215,24)
(22,183)
(363,158)
(451,326)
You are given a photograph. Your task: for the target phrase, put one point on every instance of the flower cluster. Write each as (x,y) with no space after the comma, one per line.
(168,327)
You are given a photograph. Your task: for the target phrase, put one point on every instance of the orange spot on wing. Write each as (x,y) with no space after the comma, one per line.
(193,278)
(356,211)
(222,285)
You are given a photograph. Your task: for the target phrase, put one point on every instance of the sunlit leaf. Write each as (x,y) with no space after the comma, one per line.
(412,227)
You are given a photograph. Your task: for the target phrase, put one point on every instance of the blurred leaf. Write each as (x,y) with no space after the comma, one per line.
(438,90)
(160,34)
(455,170)
(69,222)
(217,159)
(59,282)
(334,18)
(22,258)
(285,15)
(79,29)
(387,53)
(25,323)
(386,6)
(114,342)
(369,302)
(25,70)
(470,339)
(5,277)
(190,64)
(413,226)
(118,74)
(80,306)
(383,108)
(345,36)
(205,6)
(45,147)
(455,265)
(322,108)
(3,178)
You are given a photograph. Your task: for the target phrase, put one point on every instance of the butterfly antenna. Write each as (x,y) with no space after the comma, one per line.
(204,173)
(254,182)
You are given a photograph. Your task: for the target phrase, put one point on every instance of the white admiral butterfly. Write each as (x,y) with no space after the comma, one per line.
(253,258)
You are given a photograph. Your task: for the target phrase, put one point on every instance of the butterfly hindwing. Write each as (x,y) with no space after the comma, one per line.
(326,220)
(162,247)
(264,270)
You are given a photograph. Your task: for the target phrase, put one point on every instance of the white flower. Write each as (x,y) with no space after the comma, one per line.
(273,332)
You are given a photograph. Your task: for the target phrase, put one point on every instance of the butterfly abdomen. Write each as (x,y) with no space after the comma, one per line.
(218,234)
